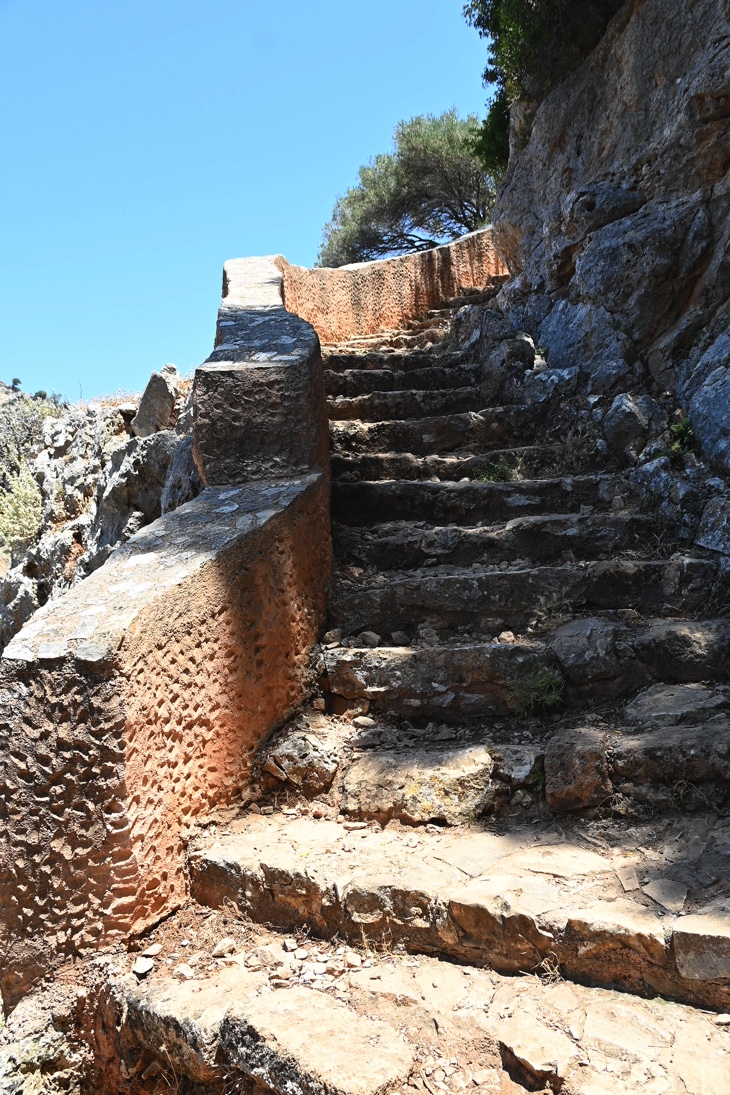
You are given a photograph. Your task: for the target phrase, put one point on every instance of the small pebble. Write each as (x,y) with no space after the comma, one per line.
(152,951)
(143,966)
(184,972)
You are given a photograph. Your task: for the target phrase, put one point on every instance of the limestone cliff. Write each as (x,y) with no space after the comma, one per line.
(615,217)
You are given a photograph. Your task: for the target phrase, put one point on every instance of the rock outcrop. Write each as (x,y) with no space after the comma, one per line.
(102,478)
(615,218)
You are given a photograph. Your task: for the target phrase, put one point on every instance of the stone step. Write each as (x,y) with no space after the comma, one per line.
(367,502)
(453,773)
(400,405)
(499,465)
(540,539)
(528,900)
(341,359)
(229,1026)
(454,681)
(477,1029)
(638,769)
(589,660)
(359,382)
(516,599)
(492,428)
(394,340)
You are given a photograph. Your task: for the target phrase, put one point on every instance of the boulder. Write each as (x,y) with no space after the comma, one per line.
(586,650)
(183,482)
(714,530)
(576,771)
(582,335)
(157,403)
(451,786)
(626,425)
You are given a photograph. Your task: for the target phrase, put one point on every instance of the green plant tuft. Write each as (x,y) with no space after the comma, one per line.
(498,472)
(541,689)
(21,512)
(684,439)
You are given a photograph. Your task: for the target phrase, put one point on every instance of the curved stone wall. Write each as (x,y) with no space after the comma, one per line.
(376,296)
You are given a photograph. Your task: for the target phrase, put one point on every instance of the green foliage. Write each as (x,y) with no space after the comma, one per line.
(21,431)
(684,439)
(21,512)
(430,189)
(539,690)
(491,142)
(534,44)
(497,472)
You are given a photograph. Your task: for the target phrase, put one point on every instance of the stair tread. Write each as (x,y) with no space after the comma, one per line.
(492,427)
(515,597)
(358,382)
(464,1019)
(446,502)
(478,897)
(404,404)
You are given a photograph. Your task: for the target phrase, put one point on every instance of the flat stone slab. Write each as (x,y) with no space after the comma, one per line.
(671,704)
(295,1040)
(509,902)
(270,1013)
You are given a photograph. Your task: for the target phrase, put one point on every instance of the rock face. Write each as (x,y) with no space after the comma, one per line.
(101,479)
(614,218)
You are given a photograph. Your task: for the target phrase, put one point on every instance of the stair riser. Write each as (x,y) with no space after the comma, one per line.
(382,406)
(499,465)
(390,361)
(494,428)
(358,382)
(465,503)
(446,683)
(542,543)
(450,922)
(515,598)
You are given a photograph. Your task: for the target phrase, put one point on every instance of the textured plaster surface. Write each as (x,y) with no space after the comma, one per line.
(372,296)
(133,705)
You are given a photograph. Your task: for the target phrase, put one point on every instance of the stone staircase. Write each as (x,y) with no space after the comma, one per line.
(518,763)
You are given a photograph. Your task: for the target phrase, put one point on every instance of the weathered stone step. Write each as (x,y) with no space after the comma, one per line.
(492,428)
(632,768)
(496,599)
(340,359)
(499,465)
(516,902)
(500,1034)
(230,1026)
(359,382)
(460,680)
(395,340)
(541,539)
(400,405)
(596,659)
(366,502)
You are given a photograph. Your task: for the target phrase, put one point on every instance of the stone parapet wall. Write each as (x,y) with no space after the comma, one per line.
(375,296)
(132,705)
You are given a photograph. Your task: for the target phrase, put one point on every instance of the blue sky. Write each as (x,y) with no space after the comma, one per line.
(145,142)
